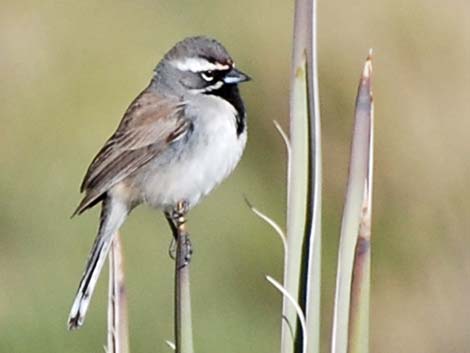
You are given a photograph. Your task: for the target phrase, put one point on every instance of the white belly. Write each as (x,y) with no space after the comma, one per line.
(208,156)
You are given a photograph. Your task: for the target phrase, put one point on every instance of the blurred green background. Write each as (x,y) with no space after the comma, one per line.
(69,69)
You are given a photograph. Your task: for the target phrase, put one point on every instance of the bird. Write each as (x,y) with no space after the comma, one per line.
(180,138)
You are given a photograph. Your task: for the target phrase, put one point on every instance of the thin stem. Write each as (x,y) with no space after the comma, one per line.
(171,345)
(118,332)
(296,307)
(272,224)
(285,138)
(183,321)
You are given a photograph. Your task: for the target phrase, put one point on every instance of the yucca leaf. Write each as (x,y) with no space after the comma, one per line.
(360,290)
(302,272)
(350,322)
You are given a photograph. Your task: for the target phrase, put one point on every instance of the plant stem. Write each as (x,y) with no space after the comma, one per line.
(313,288)
(360,287)
(118,331)
(354,230)
(303,268)
(183,321)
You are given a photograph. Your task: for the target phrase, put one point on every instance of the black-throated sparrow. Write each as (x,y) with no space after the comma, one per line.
(178,139)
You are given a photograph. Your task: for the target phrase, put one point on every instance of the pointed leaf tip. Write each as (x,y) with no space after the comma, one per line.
(366,73)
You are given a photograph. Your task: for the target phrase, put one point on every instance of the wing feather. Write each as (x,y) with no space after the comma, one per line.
(149,125)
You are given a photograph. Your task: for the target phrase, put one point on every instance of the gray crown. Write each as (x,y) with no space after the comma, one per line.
(173,75)
(200,47)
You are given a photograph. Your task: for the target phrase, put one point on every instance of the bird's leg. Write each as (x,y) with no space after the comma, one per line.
(178,214)
(177,220)
(171,223)
(174,232)
(172,249)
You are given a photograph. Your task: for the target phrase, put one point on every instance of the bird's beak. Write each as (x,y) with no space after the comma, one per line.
(236,76)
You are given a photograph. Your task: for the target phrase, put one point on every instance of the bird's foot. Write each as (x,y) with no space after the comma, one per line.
(172,249)
(177,220)
(178,214)
(186,251)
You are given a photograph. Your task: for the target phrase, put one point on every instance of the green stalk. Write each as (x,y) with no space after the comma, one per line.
(360,301)
(183,321)
(297,201)
(302,270)
(118,331)
(354,230)
(313,290)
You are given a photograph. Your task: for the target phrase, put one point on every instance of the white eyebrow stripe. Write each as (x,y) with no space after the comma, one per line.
(198,65)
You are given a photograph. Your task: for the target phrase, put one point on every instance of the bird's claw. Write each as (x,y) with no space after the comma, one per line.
(186,252)
(172,249)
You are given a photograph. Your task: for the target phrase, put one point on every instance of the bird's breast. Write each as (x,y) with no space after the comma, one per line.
(194,165)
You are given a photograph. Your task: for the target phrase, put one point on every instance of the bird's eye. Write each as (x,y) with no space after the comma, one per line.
(207,75)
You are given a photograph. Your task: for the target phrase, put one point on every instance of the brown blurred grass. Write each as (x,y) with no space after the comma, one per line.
(68,71)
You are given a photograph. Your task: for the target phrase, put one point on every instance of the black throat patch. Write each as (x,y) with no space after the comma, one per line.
(231,94)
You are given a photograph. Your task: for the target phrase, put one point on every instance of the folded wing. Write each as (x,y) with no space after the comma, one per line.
(149,125)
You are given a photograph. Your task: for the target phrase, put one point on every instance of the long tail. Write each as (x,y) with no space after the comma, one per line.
(113,214)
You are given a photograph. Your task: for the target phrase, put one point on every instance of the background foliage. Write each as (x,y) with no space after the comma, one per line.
(68,71)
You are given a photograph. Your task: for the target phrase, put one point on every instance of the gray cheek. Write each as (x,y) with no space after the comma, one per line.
(193,81)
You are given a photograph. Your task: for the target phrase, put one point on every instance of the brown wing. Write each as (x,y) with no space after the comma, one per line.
(148,126)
